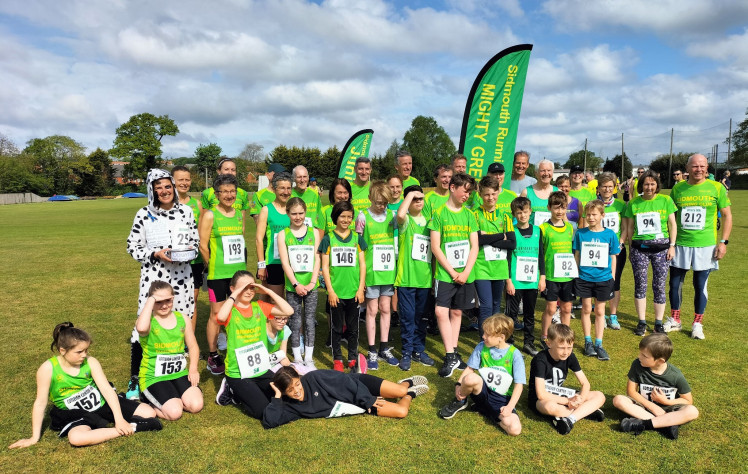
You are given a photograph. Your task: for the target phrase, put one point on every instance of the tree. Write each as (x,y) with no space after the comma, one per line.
(207,156)
(60,159)
(322,166)
(99,179)
(577,158)
(139,141)
(252,152)
(429,145)
(384,165)
(7,146)
(18,174)
(661,164)
(614,166)
(739,153)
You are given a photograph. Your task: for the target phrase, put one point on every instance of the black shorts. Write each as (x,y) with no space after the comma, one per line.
(275,274)
(453,296)
(219,290)
(161,392)
(197,274)
(600,290)
(563,291)
(490,403)
(65,420)
(620,263)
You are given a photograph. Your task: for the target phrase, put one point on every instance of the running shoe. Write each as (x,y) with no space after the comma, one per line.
(224,396)
(659,328)
(222,341)
(589,349)
(461,365)
(449,411)
(338,365)
(386,355)
(529,347)
(597,415)
(405,362)
(133,389)
(562,425)
(613,322)
(216,365)
(423,358)
(670,432)
(415,380)
(417,390)
(697,331)
(671,325)
(519,326)
(139,424)
(632,425)
(641,328)
(362,364)
(602,354)
(371,361)
(310,365)
(450,364)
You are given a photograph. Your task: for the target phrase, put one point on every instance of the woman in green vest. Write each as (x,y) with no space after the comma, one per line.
(272,220)
(538,193)
(297,246)
(84,403)
(222,246)
(166,380)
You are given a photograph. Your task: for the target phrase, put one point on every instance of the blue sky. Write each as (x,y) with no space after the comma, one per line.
(304,73)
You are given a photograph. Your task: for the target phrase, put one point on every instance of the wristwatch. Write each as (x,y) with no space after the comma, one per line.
(724,242)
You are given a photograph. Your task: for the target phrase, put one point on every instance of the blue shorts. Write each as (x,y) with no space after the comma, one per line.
(490,403)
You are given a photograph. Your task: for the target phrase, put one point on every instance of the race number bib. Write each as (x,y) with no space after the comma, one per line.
(540,217)
(594,254)
(276,357)
(457,253)
(384,258)
(276,255)
(564,266)
(496,379)
(252,359)
(169,364)
(301,258)
(646,391)
(157,234)
(693,218)
(527,269)
(612,221)
(308,222)
(233,249)
(421,248)
(345,409)
(648,223)
(88,399)
(342,256)
(492,253)
(560,391)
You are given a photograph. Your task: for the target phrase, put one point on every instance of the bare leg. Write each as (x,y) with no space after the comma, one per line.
(659,311)
(615,302)
(550,308)
(641,308)
(586,310)
(192,400)
(85,436)
(394,410)
(566,312)
(211,330)
(393,390)
(371,321)
(445,327)
(384,318)
(455,318)
(599,319)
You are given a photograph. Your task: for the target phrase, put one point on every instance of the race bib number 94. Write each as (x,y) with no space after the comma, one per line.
(648,223)
(594,254)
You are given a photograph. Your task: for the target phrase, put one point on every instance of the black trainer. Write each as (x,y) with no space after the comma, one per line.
(450,410)
(632,425)
(597,415)
(145,424)
(562,425)
(659,328)
(450,364)
(670,432)
(529,347)
(461,365)
(641,328)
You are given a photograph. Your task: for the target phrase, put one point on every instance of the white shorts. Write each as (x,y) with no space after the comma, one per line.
(695,258)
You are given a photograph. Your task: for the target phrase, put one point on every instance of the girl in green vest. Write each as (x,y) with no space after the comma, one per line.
(272,220)
(84,403)
(297,247)
(248,373)
(277,344)
(166,379)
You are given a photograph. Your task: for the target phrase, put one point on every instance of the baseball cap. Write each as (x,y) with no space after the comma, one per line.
(276,168)
(495,168)
(576,169)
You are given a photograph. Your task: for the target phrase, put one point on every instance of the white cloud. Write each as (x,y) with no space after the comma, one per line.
(733,47)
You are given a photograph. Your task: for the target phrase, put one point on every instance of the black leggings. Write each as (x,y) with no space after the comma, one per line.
(372,382)
(253,394)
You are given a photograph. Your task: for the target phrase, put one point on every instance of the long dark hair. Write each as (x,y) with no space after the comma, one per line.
(342,182)
(65,336)
(285,377)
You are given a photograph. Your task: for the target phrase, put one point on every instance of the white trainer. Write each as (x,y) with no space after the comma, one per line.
(697,331)
(671,325)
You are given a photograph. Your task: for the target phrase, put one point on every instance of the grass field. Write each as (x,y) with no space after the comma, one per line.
(67,261)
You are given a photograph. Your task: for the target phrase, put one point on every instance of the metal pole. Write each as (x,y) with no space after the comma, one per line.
(623,170)
(729,143)
(585,156)
(670,166)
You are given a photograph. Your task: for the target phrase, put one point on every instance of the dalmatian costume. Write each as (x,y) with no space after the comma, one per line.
(155,229)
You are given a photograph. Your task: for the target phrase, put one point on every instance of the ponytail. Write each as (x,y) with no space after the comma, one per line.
(65,336)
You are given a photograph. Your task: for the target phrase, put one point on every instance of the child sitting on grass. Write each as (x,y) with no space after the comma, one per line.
(659,396)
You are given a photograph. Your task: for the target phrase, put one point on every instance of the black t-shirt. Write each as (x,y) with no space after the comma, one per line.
(672,382)
(552,371)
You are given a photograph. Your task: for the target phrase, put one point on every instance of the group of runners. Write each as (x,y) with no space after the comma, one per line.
(382,246)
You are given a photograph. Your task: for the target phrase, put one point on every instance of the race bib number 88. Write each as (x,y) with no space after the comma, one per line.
(252,359)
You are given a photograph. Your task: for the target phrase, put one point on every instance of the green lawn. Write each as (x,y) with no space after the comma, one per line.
(67,261)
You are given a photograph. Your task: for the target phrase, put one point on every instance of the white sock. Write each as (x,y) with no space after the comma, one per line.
(296,354)
(572,418)
(308,353)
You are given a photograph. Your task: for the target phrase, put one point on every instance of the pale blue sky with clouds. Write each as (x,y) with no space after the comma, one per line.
(303,73)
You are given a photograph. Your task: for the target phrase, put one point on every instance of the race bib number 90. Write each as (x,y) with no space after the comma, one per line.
(564,266)
(233,249)
(169,364)
(457,253)
(88,399)
(252,359)
(383,258)
(497,379)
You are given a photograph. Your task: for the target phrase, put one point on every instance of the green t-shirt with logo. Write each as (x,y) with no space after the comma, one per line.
(246,341)
(313,207)
(584,195)
(639,209)
(414,262)
(163,353)
(262,198)
(344,265)
(276,223)
(696,216)
(360,197)
(227,246)
(556,240)
(433,201)
(492,263)
(381,264)
(455,228)
(72,392)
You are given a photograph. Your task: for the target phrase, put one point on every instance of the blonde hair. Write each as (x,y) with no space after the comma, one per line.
(594,204)
(561,333)
(499,324)
(379,191)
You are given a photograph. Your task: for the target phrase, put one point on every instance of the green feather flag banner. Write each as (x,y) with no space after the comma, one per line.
(489,126)
(358,145)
